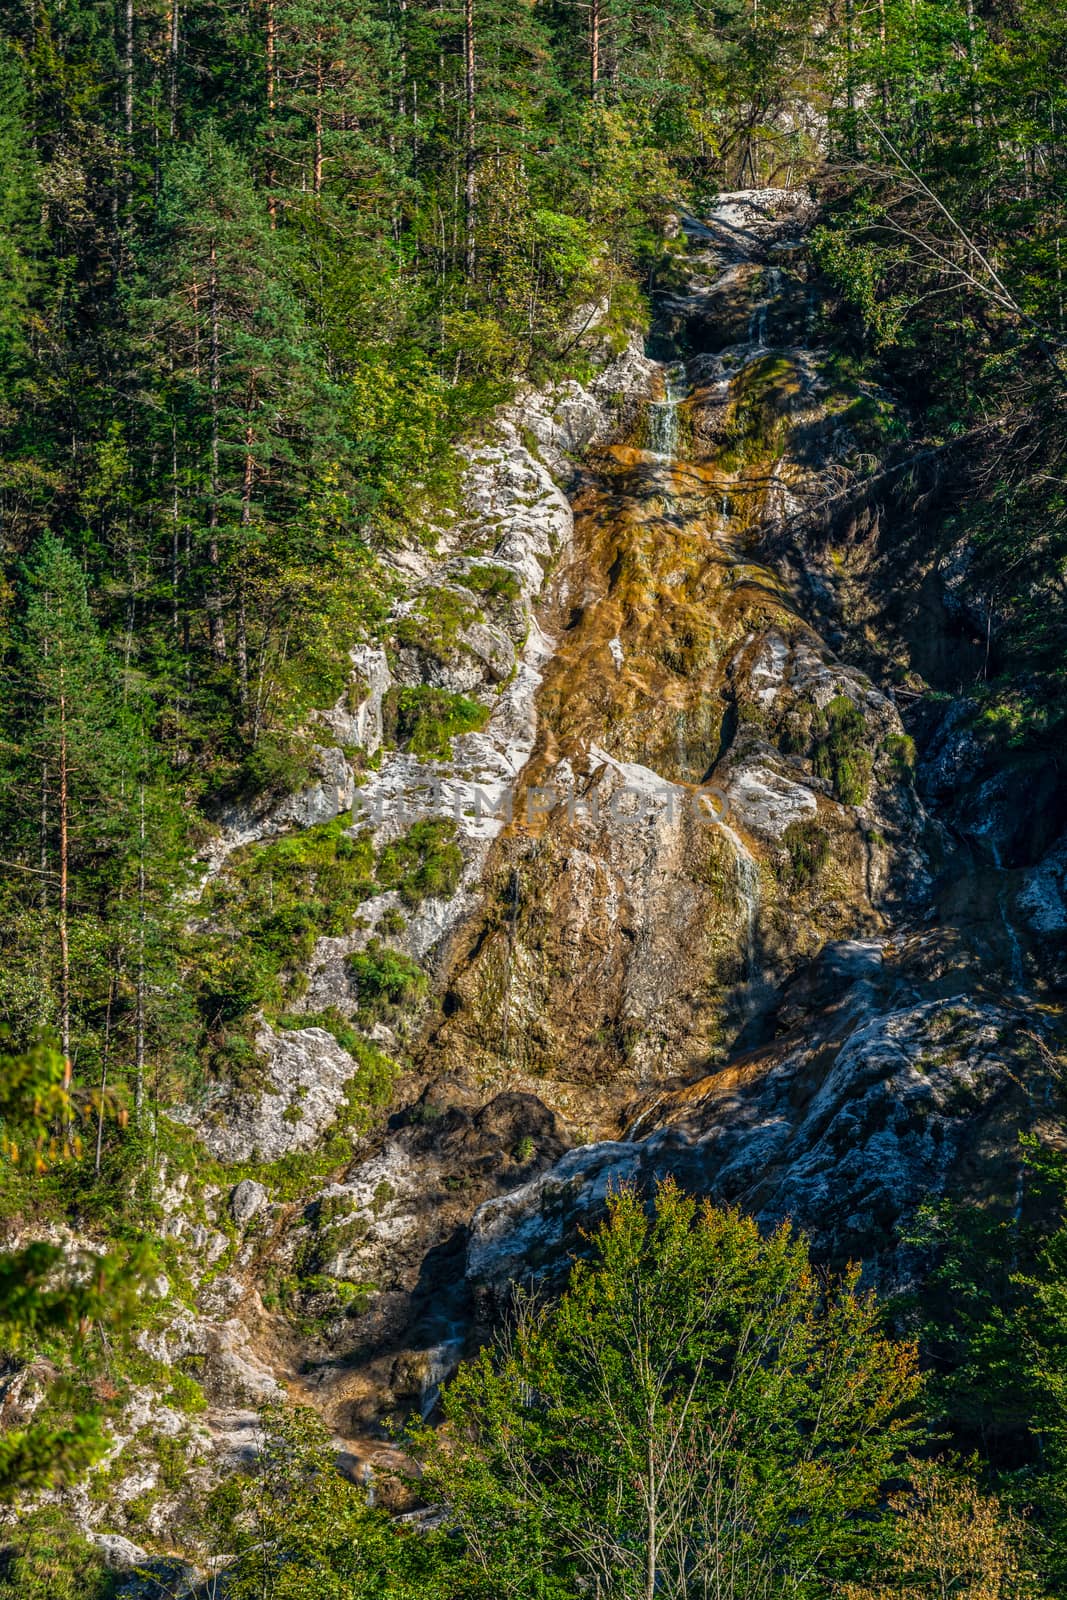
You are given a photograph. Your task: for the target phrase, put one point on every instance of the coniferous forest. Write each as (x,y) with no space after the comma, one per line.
(596,406)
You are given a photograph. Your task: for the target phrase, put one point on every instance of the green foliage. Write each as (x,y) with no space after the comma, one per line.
(900,748)
(435,622)
(424,861)
(386,980)
(425,720)
(841,757)
(696,1409)
(53,1297)
(274,902)
(809,850)
(301,1531)
(49,1558)
(371,1084)
(491,581)
(995,1332)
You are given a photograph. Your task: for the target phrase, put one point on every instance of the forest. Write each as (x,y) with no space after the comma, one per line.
(270,273)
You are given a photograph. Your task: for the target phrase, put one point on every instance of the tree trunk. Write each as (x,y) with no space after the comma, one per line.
(652,1521)
(594,47)
(172,67)
(316,177)
(216,631)
(64,862)
(127,104)
(470,190)
(103,1073)
(272,202)
(241,638)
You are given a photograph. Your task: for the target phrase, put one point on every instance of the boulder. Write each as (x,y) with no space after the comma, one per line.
(247,1200)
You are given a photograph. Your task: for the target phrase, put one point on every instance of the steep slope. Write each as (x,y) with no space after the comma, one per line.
(700,921)
(703,940)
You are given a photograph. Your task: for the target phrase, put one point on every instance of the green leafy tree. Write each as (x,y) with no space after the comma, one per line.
(54,1297)
(698,1415)
(301,1531)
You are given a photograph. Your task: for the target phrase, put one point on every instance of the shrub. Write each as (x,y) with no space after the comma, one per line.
(809,850)
(426,861)
(425,720)
(841,757)
(385,979)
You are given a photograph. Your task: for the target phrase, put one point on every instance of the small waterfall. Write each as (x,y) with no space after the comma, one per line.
(663,414)
(441,1362)
(748,893)
(757,322)
(1018,963)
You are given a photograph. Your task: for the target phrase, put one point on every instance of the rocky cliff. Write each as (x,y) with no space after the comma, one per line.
(738,893)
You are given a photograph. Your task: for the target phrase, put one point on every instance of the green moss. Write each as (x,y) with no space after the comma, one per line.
(269,909)
(841,757)
(425,861)
(756,421)
(492,581)
(425,720)
(385,979)
(809,850)
(435,622)
(900,748)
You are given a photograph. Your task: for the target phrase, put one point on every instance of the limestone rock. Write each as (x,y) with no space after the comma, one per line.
(765,802)
(120,1554)
(247,1200)
(305,1072)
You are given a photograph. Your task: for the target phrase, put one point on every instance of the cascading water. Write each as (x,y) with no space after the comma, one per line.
(757,325)
(748,894)
(663,414)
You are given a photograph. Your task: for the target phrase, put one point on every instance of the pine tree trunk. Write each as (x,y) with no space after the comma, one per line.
(594,47)
(316,177)
(216,631)
(470,190)
(172,66)
(105,1062)
(241,637)
(127,106)
(64,862)
(272,202)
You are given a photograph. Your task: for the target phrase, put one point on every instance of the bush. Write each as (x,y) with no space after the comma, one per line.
(841,757)
(49,1558)
(425,720)
(385,979)
(426,861)
(695,1376)
(809,850)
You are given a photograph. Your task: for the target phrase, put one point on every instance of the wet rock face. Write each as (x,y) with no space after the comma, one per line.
(625,933)
(696,851)
(865,1107)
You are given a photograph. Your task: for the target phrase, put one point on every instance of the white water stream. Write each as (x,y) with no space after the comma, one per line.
(663,414)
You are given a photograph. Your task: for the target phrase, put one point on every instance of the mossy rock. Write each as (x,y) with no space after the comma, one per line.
(809,847)
(435,623)
(841,756)
(425,861)
(425,720)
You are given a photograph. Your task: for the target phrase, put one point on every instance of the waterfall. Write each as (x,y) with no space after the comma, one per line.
(1018,963)
(748,894)
(757,323)
(663,414)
